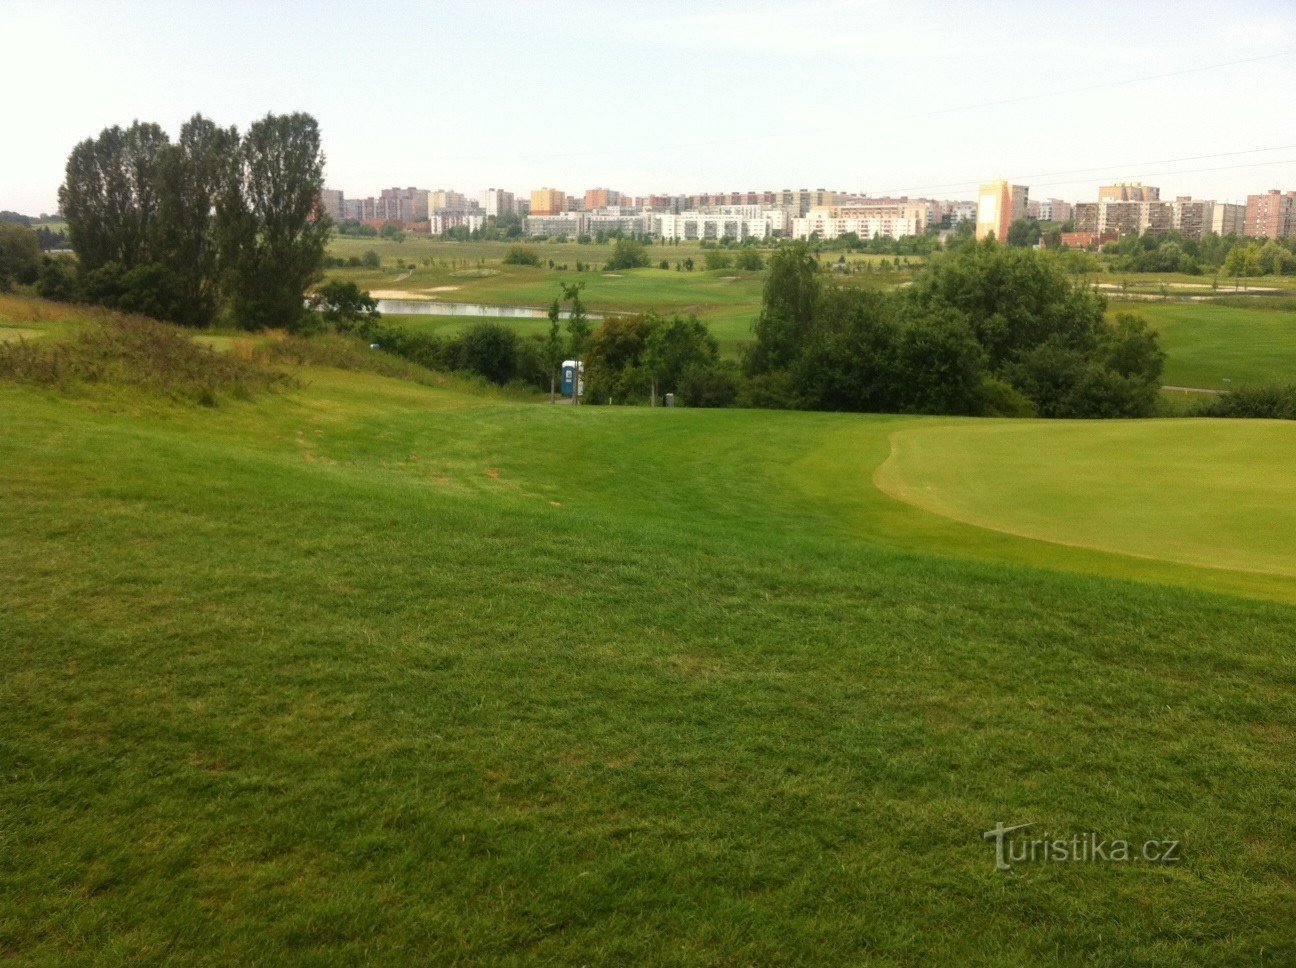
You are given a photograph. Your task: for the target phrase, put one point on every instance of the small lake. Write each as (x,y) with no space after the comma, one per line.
(434,307)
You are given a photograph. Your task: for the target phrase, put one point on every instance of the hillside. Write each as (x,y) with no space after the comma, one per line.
(368,669)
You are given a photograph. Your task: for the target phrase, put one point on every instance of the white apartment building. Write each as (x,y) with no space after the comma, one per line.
(735,222)
(440,223)
(496,202)
(890,219)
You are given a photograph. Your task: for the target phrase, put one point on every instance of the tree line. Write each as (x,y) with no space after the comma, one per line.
(216,224)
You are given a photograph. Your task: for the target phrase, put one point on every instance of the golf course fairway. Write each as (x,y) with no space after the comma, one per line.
(1207,493)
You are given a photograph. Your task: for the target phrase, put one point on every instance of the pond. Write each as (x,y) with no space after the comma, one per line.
(434,307)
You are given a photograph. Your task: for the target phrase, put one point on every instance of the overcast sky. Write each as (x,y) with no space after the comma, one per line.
(665,96)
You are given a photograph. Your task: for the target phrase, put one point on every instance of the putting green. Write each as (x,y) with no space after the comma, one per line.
(1208,493)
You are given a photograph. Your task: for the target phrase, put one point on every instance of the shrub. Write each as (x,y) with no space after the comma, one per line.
(1263,402)
(999,399)
(58,280)
(713,386)
(491,350)
(627,254)
(520,256)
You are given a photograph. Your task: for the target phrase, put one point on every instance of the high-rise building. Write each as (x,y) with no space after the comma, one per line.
(999,205)
(1271,215)
(548,201)
(330,203)
(443,200)
(1193,216)
(497,202)
(1129,192)
(1054,210)
(601,198)
(1228,218)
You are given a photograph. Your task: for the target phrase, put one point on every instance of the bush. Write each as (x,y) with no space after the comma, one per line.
(749,260)
(58,280)
(627,254)
(1263,402)
(520,256)
(491,350)
(768,391)
(999,399)
(713,386)
(20,257)
(715,259)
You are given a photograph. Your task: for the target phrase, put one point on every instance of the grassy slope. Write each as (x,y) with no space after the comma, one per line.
(372,671)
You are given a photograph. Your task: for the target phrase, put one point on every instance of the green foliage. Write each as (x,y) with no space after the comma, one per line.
(20,258)
(981,311)
(59,279)
(491,350)
(518,255)
(788,306)
(709,385)
(345,305)
(1000,399)
(273,243)
(1273,402)
(1024,233)
(217,220)
(627,254)
(716,259)
(749,260)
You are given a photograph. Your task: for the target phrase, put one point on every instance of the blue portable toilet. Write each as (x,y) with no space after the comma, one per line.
(569,377)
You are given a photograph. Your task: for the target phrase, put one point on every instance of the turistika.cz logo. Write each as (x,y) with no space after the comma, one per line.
(1085,848)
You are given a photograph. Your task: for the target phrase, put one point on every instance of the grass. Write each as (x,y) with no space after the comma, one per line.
(371,670)
(1210,493)
(1207,345)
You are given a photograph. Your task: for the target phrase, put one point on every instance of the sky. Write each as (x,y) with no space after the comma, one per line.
(918,98)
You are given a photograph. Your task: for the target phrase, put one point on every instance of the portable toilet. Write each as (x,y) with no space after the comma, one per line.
(569,377)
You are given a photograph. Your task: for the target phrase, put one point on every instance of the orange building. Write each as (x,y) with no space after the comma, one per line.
(548,201)
(998,207)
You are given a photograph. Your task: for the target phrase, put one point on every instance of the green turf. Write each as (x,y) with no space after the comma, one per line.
(1211,493)
(1207,345)
(376,672)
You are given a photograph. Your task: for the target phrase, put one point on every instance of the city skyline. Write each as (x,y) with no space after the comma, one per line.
(873,97)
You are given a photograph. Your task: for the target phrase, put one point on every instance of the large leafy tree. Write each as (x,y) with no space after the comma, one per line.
(112,193)
(272,233)
(789,305)
(195,172)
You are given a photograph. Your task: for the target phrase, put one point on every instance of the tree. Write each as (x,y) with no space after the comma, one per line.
(675,346)
(1024,233)
(20,258)
(715,260)
(749,260)
(111,194)
(345,305)
(194,172)
(578,332)
(554,348)
(491,350)
(627,254)
(274,238)
(520,256)
(788,304)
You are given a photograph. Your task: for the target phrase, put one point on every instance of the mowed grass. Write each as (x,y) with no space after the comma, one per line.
(1215,347)
(1209,493)
(376,672)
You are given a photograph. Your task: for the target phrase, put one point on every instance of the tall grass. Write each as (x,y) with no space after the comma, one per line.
(133,351)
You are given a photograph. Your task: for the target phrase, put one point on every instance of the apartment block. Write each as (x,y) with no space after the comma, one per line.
(1086,218)
(867,218)
(601,198)
(496,202)
(444,200)
(999,205)
(330,203)
(1228,218)
(1271,215)
(548,201)
(1129,192)
(1054,210)
(1193,217)
(569,224)
(734,222)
